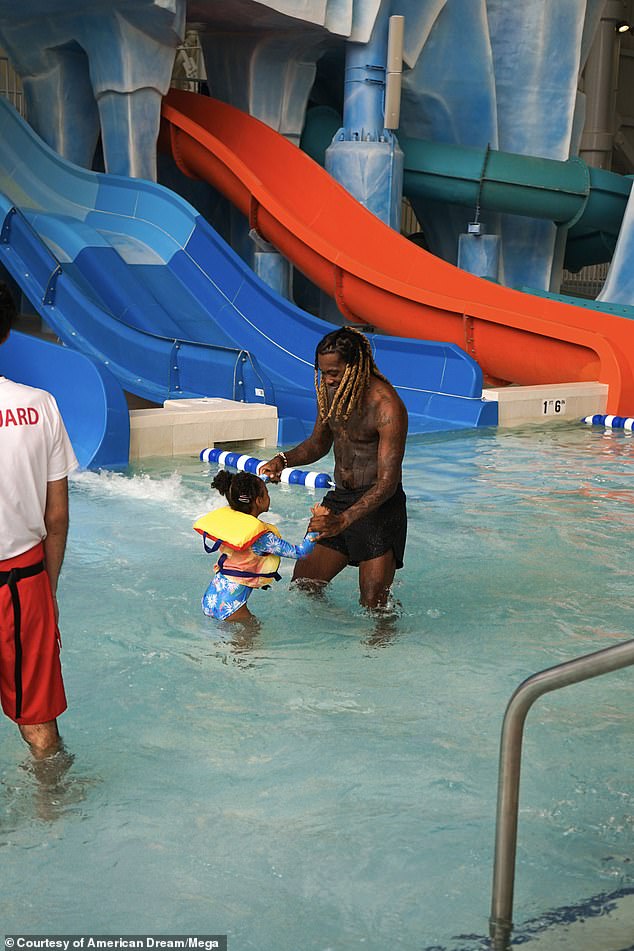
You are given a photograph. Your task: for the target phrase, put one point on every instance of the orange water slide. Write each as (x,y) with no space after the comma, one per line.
(380,278)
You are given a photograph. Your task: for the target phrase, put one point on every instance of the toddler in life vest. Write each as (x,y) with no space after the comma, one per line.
(250,550)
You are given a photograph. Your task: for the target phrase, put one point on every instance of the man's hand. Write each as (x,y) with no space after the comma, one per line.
(326,522)
(273,468)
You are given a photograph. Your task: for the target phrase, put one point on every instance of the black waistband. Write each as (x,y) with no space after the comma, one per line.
(17,574)
(340,492)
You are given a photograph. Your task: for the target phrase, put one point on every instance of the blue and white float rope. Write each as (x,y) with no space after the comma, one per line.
(612,422)
(312,480)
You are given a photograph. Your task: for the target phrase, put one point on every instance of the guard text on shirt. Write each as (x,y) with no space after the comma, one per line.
(19,417)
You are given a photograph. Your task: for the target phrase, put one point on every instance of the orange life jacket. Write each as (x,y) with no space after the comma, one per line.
(233,534)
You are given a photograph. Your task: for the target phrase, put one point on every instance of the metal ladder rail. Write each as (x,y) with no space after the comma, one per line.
(11,85)
(573,671)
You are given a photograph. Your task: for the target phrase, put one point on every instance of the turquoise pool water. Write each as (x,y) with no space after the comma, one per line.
(330,784)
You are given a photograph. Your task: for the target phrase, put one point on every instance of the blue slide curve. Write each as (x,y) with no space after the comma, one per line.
(90,400)
(128,273)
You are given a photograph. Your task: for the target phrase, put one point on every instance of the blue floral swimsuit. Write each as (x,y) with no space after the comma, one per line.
(224,596)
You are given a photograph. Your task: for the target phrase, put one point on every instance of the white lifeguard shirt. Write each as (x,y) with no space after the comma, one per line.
(34,449)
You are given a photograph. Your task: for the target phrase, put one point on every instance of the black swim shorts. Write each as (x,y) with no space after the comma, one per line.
(373,535)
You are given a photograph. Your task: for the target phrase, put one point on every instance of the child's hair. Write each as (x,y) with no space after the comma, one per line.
(240,489)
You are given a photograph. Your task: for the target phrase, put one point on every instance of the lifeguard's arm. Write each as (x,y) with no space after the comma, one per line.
(312,449)
(56,522)
(391,425)
(270,544)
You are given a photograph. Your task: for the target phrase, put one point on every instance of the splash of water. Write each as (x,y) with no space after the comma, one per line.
(168,491)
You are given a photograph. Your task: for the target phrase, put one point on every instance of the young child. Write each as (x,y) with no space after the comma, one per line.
(250,550)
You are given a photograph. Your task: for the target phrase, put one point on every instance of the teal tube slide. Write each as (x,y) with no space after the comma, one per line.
(590,202)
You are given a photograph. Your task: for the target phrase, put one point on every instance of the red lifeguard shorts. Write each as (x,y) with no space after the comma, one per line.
(35,682)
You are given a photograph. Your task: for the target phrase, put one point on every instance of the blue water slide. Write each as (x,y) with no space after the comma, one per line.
(91,401)
(130,274)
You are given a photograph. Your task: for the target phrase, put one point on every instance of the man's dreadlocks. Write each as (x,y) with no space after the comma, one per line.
(355,350)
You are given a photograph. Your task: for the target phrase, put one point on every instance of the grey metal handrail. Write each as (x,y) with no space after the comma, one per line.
(571,672)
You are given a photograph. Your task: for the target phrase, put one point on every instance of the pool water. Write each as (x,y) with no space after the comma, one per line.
(329,782)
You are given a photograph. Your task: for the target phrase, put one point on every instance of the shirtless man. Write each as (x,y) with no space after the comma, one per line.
(360,413)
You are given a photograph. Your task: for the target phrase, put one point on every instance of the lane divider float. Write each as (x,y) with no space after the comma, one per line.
(312,480)
(612,422)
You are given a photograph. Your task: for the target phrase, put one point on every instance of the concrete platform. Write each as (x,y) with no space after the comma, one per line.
(552,403)
(183,427)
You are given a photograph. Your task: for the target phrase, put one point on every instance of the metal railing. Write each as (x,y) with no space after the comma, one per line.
(10,85)
(571,672)
(588,282)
